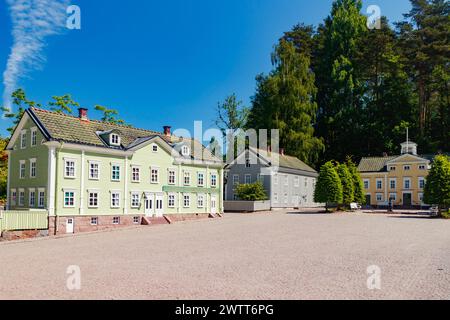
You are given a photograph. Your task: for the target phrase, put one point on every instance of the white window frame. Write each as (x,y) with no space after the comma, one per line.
(185,151)
(135,196)
(275,198)
(154,169)
(23,139)
(66,161)
(407,167)
(33,174)
(236,179)
(404,183)
(248,163)
(275,179)
(368,183)
(91,176)
(116,221)
(186,200)
(393,196)
(21,196)
(200,200)
(113,166)
(90,193)
(22,169)
(286,180)
(202,175)
(187,175)
(248,179)
(422,167)
(379,195)
(33,138)
(135,170)
(419,181)
(296,182)
(286,198)
(94,221)
(171,173)
(381,182)
(153,148)
(213,180)
(74,196)
(115,193)
(392,168)
(393,180)
(420,197)
(171,197)
(41,191)
(32,191)
(112,139)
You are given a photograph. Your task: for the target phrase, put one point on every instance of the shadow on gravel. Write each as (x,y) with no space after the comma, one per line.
(310,213)
(411,217)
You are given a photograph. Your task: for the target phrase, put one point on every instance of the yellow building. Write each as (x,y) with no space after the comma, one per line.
(400,179)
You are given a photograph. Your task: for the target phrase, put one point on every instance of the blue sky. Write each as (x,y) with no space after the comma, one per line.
(167,62)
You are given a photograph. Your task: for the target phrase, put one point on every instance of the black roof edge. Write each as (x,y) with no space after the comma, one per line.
(44,130)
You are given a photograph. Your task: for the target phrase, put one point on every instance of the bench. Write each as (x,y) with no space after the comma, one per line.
(355,206)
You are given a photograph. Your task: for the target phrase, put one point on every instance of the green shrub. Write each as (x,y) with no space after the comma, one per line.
(251,192)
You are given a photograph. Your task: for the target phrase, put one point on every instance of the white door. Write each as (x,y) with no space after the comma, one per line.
(69,225)
(159,205)
(213,204)
(149,205)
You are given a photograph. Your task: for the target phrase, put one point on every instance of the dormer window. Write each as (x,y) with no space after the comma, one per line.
(114,139)
(185,151)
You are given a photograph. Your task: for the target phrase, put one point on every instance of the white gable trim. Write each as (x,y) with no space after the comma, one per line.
(417,159)
(243,153)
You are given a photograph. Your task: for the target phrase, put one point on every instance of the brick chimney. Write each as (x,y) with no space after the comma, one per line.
(83,114)
(167,131)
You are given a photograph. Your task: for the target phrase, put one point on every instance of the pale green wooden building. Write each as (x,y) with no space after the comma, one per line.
(89,174)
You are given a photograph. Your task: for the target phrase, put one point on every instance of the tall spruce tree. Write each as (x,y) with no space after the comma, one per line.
(348,187)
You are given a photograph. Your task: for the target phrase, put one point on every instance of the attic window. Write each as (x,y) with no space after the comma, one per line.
(185,151)
(114,139)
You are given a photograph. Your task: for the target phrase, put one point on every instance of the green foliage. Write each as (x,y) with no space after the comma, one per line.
(251,192)
(20,102)
(3,168)
(328,187)
(231,114)
(437,187)
(63,104)
(110,115)
(348,188)
(358,185)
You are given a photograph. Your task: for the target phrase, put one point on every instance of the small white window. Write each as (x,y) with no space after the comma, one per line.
(422,167)
(41,199)
(392,168)
(187,178)
(213,180)
(115,139)
(296,182)
(116,220)
(115,172)
(154,175)
(135,174)
(379,184)
(248,163)
(393,184)
(201,179)
(115,200)
(286,180)
(33,137)
(69,168)
(69,199)
(421,183)
(248,178)
(23,139)
(185,151)
(200,200)
(171,201)
(94,221)
(407,183)
(172,177)
(393,197)
(275,179)
(22,169)
(155,148)
(21,197)
(275,197)
(236,179)
(93,199)
(187,201)
(33,168)
(135,200)
(32,200)
(94,170)
(286,198)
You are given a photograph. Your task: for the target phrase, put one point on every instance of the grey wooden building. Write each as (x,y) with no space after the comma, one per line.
(289,182)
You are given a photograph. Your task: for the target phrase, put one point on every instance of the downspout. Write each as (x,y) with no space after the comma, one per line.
(56,186)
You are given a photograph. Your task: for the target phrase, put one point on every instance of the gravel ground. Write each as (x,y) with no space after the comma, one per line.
(258,256)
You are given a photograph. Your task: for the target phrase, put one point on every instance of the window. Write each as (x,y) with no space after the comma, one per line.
(114,139)
(422,167)
(94,221)
(421,183)
(286,180)
(33,168)
(135,174)
(23,139)
(379,184)
(248,163)
(248,179)
(407,183)
(32,199)
(13,197)
(286,198)
(94,170)
(33,137)
(393,197)
(135,200)
(201,179)
(187,178)
(22,169)
(379,197)
(41,199)
(69,168)
(93,199)
(297,182)
(115,200)
(21,197)
(185,151)
(366,184)
(275,197)
(171,178)
(200,200)
(187,201)
(116,220)
(392,168)
(213,180)
(171,201)
(155,148)
(136,220)
(154,175)
(393,184)
(235,179)
(407,168)
(69,199)
(115,172)
(275,179)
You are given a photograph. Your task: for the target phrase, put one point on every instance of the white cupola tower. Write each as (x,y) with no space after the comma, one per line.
(409,147)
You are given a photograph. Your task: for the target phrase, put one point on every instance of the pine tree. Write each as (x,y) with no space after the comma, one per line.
(328,187)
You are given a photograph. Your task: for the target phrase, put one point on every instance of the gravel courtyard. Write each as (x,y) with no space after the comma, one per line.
(259,256)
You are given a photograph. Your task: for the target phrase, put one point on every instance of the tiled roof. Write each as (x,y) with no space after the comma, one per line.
(289,162)
(72,129)
(374,164)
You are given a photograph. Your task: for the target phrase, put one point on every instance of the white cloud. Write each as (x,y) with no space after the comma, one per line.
(32,22)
